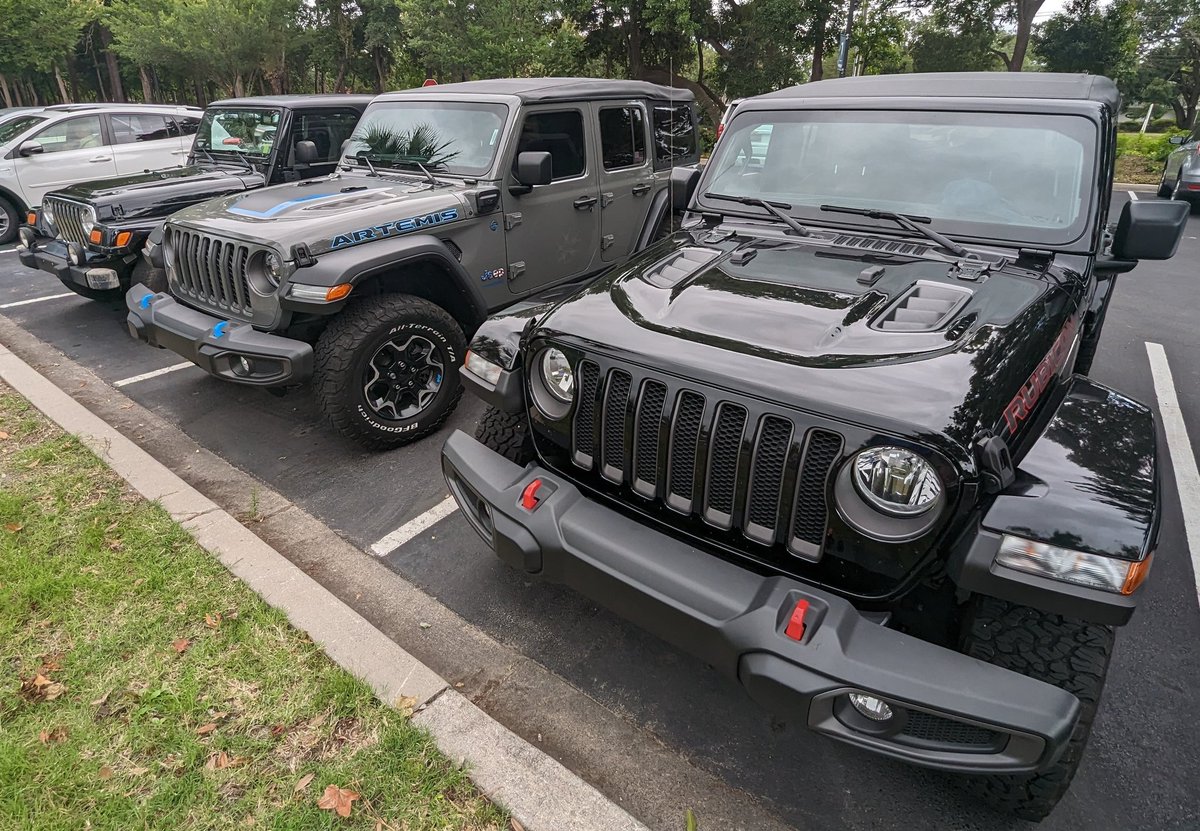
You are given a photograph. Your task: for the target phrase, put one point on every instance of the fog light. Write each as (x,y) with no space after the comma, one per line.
(873,708)
(28,237)
(75,254)
(247,367)
(103,279)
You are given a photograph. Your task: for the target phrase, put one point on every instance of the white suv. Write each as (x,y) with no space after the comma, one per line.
(61,145)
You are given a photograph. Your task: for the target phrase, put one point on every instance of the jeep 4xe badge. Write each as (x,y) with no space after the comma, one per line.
(400,226)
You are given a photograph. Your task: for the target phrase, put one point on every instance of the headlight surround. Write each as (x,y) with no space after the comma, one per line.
(557,375)
(896,481)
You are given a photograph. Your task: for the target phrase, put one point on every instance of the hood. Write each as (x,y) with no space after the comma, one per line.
(332,212)
(159,193)
(900,344)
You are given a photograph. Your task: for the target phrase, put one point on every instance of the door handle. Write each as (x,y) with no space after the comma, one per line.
(641,190)
(585,203)
(180,152)
(95,159)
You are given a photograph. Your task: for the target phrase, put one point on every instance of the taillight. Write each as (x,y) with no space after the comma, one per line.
(720,129)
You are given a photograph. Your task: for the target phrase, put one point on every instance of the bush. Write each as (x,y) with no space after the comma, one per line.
(1155,146)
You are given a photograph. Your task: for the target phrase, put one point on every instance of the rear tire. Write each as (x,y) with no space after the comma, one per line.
(10,221)
(398,333)
(1071,654)
(1164,190)
(507,435)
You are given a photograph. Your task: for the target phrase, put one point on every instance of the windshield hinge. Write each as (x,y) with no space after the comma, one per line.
(1034,257)
(995,462)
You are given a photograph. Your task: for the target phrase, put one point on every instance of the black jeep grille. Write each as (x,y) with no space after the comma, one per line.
(706,457)
(212,272)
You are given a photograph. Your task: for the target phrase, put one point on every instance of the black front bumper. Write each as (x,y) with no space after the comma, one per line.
(217,346)
(955,713)
(52,257)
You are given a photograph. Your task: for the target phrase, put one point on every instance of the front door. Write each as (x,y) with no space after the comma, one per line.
(73,150)
(553,231)
(626,177)
(145,141)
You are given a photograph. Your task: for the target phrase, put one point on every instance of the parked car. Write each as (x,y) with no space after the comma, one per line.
(91,235)
(1181,171)
(455,200)
(64,144)
(836,436)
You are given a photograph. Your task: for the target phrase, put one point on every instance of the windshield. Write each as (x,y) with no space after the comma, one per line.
(248,132)
(1010,176)
(13,126)
(459,138)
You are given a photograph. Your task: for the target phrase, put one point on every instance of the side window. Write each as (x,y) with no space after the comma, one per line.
(128,129)
(72,134)
(184,125)
(561,135)
(674,134)
(622,137)
(327,129)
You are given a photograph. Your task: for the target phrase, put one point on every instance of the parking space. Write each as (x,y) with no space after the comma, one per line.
(393,505)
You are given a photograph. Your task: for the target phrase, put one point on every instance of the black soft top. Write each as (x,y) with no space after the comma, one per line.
(536,90)
(1044,85)
(298,102)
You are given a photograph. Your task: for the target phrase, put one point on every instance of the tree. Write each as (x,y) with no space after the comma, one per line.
(1085,38)
(1168,73)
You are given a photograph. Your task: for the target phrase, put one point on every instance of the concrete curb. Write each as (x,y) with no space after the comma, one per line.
(538,791)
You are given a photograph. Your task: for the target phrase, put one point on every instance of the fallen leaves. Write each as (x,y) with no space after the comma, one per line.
(406,704)
(516,824)
(180,646)
(338,800)
(205,729)
(304,782)
(13,527)
(222,760)
(41,688)
(105,772)
(53,736)
(213,621)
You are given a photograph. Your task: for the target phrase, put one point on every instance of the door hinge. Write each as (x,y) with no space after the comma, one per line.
(606,199)
(606,241)
(515,270)
(511,221)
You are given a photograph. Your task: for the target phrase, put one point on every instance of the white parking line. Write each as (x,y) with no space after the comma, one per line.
(145,376)
(9,251)
(1133,195)
(35,300)
(413,527)
(1187,478)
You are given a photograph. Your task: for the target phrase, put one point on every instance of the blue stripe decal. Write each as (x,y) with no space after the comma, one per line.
(282,206)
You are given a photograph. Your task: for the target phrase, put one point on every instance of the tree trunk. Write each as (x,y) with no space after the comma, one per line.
(238,89)
(340,84)
(62,85)
(201,98)
(110,59)
(635,40)
(73,79)
(1026,9)
(8,101)
(147,87)
(380,69)
(818,56)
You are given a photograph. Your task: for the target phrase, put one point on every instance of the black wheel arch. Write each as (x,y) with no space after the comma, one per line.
(16,201)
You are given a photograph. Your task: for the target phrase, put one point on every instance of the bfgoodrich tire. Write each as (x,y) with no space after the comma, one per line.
(506,434)
(386,370)
(1067,653)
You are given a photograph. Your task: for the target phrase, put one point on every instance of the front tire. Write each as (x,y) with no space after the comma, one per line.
(386,370)
(507,435)
(1068,653)
(145,274)
(10,221)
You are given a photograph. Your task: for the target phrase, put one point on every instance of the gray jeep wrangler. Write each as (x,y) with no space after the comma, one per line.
(453,201)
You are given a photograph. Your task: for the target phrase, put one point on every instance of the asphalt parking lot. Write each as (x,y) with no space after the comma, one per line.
(1141,767)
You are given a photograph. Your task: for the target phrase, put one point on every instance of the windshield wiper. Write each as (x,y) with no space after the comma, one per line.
(362,159)
(909,221)
(776,209)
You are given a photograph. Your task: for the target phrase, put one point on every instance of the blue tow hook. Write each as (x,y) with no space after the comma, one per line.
(218,331)
(145,301)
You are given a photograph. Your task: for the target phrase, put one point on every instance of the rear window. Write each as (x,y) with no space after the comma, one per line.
(674,135)
(14,127)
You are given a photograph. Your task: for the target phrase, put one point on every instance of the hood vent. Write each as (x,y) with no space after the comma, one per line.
(926,307)
(885,246)
(672,270)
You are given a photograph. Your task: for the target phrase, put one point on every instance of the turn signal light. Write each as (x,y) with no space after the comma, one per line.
(31,218)
(95,236)
(338,292)
(1138,572)
(123,238)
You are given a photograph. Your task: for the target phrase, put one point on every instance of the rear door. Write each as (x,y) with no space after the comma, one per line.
(626,176)
(553,231)
(145,141)
(73,150)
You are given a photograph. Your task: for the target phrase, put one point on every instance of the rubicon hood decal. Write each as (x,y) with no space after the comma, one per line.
(400,226)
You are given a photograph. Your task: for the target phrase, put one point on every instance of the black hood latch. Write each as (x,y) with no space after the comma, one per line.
(995,462)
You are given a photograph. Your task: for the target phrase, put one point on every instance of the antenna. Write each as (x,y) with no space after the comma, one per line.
(671,168)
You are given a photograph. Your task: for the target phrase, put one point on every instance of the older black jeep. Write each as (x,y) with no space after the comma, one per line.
(835,436)
(91,236)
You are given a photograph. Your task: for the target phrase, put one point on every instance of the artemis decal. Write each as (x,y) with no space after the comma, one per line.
(400,226)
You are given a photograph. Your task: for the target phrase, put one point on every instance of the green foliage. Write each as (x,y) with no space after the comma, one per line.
(422,143)
(1152,146)
(1087,38)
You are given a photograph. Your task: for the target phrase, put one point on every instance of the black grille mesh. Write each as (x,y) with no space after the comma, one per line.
(585,415)
(726,446)
(927,727)
(683,443)
(769,458)
(614,422)
(649,415)
(811,510)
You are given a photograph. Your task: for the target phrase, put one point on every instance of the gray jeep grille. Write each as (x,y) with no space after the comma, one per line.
(68,219)
(211,272)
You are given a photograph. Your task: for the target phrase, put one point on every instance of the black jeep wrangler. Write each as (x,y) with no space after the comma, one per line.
(836,436)
(91,236)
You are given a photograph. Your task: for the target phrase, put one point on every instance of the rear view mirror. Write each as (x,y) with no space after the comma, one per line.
(306,153)
(534,167)
(683,185)
(1177,140)
(30,148)
(1150,230)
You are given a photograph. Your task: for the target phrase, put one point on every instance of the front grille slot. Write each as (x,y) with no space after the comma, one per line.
(68,219)
(929,729)
(213,272)
(722,463)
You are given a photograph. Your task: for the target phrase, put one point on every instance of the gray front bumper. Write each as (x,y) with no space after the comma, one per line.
(215,345)
(735,620)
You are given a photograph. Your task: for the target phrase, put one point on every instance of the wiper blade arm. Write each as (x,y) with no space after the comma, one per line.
(776,209)
(362,159)
(909,221)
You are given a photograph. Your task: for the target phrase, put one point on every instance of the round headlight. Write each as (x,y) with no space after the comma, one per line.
(274,267)
(896,481)
(48,215)
(87,222)
(556,372)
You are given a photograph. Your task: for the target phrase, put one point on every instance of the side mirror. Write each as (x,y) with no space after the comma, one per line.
(1150,230)
(30,148)
(1177,140)
(534,167)
(306,153)
(683,186)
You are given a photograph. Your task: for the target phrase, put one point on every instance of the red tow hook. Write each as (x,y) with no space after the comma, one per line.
(795,625)
(529,496)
